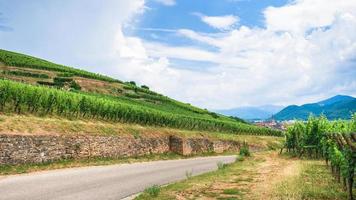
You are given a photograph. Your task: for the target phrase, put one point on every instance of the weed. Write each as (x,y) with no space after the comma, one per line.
(221,165)
(245,150)
(153,191)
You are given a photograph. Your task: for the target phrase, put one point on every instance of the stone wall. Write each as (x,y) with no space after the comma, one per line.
(189,146)
(35,149)
(17,149)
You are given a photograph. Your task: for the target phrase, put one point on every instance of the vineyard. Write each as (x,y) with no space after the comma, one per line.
(20,60)
(335,141)
(51,89)
(127,92)
(22,98)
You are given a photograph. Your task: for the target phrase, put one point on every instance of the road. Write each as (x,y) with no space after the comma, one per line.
(103,182)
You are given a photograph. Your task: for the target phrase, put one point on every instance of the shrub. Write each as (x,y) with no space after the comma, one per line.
(75,85)
(245,150)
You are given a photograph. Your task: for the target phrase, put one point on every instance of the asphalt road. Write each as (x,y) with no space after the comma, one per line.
(103,182)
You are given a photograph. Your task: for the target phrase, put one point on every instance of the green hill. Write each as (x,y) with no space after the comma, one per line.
(337,107)
(39,87)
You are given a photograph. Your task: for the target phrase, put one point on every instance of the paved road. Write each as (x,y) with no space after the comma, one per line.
(104,182)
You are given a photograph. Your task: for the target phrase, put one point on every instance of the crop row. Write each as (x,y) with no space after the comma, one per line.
(335,141)
(20,60)
(23,98)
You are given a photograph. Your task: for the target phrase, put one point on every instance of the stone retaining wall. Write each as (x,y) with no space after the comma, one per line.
(18,149)
(189,146)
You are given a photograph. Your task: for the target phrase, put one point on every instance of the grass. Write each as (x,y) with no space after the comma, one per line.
(307,179)
(152,191)
(232,191)
(211,185)
(314,182)
(33,125)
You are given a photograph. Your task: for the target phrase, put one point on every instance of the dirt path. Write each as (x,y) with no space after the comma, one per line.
(254,178)
(269,173)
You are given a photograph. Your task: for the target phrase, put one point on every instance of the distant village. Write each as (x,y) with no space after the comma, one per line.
(272,123)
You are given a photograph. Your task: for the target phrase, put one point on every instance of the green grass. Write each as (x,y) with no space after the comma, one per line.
(232,191)
(314,182)
(200,186)
(153,191)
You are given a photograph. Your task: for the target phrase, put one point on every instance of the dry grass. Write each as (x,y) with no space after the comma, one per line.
(266,175)
(313,182)
(32,125)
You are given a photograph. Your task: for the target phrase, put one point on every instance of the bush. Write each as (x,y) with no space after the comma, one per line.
(153,191)
(75,85)
(245,150)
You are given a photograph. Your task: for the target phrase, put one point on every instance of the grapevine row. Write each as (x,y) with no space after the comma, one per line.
(40,100)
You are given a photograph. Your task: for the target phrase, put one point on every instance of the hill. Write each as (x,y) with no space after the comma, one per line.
(39,87)
(337,107)
(250,113)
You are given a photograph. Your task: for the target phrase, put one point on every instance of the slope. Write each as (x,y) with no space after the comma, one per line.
(48,89)
(337,107)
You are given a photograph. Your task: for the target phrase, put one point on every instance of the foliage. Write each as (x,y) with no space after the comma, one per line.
(23,98)
(145,87)
(334,140)
(74,85)
(26,74)
(20,60)
(245,150)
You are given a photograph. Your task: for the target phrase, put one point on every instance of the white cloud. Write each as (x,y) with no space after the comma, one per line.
(167,2)
(301,15)
(225,22)
(298,57)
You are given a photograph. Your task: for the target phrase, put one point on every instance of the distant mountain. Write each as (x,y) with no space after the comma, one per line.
(250,112)
(337,107)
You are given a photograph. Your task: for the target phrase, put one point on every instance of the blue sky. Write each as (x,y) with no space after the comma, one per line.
(216,54)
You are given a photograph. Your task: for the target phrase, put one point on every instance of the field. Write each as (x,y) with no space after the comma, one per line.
(48,89)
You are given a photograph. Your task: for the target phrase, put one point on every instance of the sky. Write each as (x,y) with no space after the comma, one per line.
(216,54)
